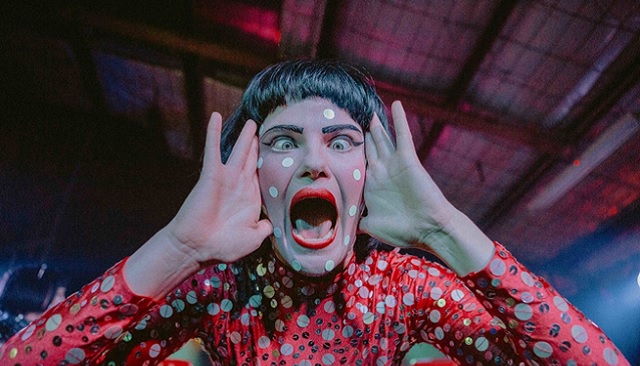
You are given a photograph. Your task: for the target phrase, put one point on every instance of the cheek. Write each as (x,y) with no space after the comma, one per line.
(274,174)
(353,177)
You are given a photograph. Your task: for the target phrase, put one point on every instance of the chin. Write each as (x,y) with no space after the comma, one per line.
(313,262)
(323,262)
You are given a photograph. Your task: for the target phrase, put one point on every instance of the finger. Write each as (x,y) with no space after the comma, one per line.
(211,157)
(383,144)
(403,133)
(242,146)
(251,163)
(264,229)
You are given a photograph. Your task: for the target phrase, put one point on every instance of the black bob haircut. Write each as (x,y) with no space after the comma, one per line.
(346,86)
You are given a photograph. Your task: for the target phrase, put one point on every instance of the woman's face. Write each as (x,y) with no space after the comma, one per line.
(312,173)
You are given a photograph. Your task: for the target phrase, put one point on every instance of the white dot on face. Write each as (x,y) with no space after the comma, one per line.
(277,232)
(273,192)
(260,130)
(328,113)
(353,210)
(329,265)
(287,162)
(356,174)
(347,240)
(260,162)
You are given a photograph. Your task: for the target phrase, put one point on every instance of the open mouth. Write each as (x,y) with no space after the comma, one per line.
(313,216)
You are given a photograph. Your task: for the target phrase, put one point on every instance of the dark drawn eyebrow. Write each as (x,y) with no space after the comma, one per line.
(335,128)
(294,128)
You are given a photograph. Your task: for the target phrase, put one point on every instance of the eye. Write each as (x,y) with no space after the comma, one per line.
(283,143)
(341,143)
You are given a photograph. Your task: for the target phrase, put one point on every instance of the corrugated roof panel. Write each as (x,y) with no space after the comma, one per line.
(129,86)
(474,170)
(421,44)
(547,49)
(138,91)
(220,97)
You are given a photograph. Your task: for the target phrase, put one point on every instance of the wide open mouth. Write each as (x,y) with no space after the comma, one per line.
(313,216)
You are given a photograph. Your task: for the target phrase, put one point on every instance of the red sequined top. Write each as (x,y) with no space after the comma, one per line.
(369,314)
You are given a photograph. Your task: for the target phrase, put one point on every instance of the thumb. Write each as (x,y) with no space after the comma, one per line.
(363,227)
(264,228)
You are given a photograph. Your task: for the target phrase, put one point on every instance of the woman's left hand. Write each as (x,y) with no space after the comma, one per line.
(407,209)
(404,204)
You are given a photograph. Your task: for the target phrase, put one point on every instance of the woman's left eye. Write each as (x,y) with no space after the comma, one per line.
(341,143)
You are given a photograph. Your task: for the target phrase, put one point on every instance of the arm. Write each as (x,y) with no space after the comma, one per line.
(545,324)
(81,327)
(106,322)
(406,209)
(397,184)
(219,221)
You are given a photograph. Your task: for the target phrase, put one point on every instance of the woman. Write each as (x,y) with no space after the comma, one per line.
(270,261)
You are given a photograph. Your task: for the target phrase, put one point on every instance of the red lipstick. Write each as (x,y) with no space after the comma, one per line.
(313,216)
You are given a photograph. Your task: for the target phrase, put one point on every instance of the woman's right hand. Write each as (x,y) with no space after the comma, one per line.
(220,219)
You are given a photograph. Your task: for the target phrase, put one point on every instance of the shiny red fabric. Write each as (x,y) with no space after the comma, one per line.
(370,313)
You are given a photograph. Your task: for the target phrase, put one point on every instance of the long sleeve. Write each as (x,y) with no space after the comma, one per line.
(83,328)
(544,326)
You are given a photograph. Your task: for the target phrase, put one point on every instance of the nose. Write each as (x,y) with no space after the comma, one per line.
(314,164)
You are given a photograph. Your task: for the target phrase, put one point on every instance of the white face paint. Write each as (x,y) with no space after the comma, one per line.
(311,179)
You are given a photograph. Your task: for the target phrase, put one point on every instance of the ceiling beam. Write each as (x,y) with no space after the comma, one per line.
(195,95)
(534,138)
(482,47)
(301,24)
(158,37)
(327,42)
(459,87)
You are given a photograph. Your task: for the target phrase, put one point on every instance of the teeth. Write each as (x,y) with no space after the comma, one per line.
(311,233)
(303,225)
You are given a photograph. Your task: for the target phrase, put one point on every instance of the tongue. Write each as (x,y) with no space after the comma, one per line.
(308,231)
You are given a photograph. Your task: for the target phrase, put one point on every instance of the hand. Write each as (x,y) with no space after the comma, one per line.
(405,207)
(220,219)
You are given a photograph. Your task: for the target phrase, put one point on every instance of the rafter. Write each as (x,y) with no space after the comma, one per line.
(465,76)
(627,71)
